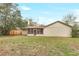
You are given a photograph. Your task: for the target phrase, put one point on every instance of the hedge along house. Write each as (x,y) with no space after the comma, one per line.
(56,29)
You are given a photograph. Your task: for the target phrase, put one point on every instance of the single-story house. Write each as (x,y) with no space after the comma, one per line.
(56,29)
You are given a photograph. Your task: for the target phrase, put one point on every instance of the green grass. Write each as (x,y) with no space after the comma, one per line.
(43,46)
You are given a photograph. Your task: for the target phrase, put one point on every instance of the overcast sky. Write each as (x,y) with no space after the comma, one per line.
(45,13)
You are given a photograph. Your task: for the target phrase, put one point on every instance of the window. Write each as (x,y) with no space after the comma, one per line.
(40,31)
(30,31)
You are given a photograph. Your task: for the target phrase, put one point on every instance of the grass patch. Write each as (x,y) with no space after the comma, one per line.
(33,46)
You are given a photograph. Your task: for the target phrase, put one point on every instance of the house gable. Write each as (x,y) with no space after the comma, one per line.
(58,29)
(59,22)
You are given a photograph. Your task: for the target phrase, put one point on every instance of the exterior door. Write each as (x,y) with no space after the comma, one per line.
(35,32)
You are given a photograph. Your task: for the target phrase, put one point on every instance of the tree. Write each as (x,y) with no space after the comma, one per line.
(74,30)
(17,19)
(69,19)
(5,13)
(10,18)
(9,14)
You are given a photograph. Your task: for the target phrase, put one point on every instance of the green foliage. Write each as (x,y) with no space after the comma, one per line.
(74,30)
(10,17)
(70,20)
(74,33)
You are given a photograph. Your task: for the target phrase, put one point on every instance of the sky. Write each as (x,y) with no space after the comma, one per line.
(46,13)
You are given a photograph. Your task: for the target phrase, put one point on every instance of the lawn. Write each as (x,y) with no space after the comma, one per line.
(35,46)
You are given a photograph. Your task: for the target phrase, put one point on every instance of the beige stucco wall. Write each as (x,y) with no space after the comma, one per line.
(24,32)
(58,30)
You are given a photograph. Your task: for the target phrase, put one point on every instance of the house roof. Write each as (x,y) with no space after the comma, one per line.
(59,22)
(34,27)
(48,25)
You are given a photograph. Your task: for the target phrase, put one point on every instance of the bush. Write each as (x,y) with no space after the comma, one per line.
(74,33)
(74,30)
